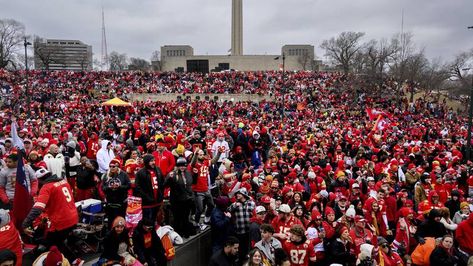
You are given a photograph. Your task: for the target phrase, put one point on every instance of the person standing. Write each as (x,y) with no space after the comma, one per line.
(268,244)
(104,156)
(242,210)
(149,186)
(115,185)
(200,184)
(180,183)
(164,159)
(8,180)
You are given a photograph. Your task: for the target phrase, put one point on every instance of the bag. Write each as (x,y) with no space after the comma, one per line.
(421,254)
(169,249)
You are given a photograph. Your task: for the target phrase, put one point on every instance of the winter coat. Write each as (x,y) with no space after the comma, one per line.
(144,186)
(111,243)
(464,235)
(181,188)
(440,257)
(340,253)
(156,250)
(120,194)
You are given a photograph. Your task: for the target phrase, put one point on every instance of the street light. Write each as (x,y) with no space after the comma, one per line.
(26,43)
(283,79)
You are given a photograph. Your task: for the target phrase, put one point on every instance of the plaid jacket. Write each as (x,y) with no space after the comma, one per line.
(241,213)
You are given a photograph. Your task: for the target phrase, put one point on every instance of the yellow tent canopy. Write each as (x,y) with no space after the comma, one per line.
(116,102)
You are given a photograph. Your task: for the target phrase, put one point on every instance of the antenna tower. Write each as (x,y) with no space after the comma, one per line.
(104,44)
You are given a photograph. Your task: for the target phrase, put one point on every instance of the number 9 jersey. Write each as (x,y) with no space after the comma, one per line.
(56,200)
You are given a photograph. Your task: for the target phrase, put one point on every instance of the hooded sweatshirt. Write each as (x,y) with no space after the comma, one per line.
(464,235)
(104,156)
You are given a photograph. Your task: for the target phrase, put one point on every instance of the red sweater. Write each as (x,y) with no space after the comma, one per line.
(464,235)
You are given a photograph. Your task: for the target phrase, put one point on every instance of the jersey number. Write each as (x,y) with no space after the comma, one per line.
(66,193)
(297,256)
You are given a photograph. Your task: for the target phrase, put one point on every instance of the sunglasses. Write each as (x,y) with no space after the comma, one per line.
(384,245)
(113,166)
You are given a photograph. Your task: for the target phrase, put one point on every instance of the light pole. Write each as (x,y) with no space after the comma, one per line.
(283,80)
(470,114)
(26,43)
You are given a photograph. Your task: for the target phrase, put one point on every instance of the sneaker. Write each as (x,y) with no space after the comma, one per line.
(203,227)
(78,262)
(207,220)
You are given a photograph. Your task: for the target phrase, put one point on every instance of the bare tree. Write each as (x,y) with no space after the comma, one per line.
(304,59)
(118,61)
(343,48)
(138,64)
(12,33)
(45,53)
(156,63)
(83,59)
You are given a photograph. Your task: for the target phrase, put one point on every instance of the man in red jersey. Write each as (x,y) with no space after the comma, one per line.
(9,236)
(55,199)
(298,247)
(283,223)
(200,184)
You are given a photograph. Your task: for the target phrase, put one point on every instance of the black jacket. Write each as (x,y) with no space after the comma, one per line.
(111,243)
(181,188)
(221,259)
(431,228)
(85,177)
(119,195)
(340,253)
(440,257)
(144,186)
(156,250)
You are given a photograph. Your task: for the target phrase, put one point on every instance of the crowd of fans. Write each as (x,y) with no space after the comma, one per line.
(321,175)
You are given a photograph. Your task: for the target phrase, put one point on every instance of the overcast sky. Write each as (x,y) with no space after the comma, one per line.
(138,27)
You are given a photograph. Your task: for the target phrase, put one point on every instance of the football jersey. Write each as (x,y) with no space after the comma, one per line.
(10,239)
(284,227)
(202,184)
(56,200)
(299,254)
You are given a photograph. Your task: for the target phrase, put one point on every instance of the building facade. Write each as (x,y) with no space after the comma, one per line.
(182,58)
(53,54)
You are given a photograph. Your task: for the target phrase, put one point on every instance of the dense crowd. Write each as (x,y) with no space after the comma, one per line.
(321,175)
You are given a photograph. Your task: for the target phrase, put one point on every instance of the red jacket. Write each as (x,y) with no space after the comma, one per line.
(10,239)
(165,161)
(464,235)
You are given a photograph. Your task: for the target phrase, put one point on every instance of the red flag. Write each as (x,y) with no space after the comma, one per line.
(22,202)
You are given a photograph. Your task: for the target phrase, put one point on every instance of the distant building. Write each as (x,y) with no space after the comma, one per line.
(181,58)
(55,54)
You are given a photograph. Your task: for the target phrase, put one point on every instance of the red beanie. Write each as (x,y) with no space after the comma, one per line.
(53,258)
(329,210)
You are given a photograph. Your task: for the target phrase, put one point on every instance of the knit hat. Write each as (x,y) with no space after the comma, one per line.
(329,210)
(71,144)
(351,212)
(53,258)
(180,149)
(464,204)
(4,217)
(118,221)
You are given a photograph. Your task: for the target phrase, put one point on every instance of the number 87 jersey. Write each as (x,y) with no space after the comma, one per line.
(55,199)
(300,254)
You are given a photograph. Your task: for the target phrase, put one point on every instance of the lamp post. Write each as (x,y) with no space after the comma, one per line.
(26,43)
(283,80)
(470,114)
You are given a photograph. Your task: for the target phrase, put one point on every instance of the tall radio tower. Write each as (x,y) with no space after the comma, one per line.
(104,45)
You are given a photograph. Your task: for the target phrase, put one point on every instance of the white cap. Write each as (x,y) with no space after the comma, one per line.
(260,209)
(284,208)
(355,185)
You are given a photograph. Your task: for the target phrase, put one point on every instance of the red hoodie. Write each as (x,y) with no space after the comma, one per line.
(464,235)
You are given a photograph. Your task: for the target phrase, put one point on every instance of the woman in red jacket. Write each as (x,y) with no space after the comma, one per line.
(374,218)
